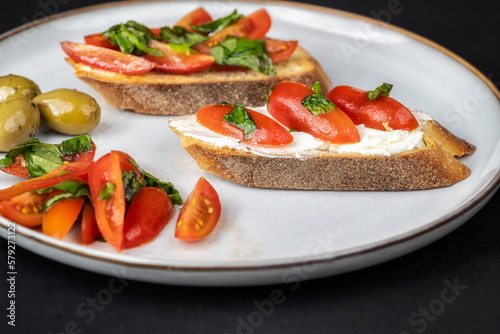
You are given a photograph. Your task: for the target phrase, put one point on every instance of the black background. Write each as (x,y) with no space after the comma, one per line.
(380,299)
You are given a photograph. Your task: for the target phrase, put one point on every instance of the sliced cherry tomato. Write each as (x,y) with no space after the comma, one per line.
(269,132)
(200,214)
(26,208)
(106,59)
(60,217)
(126,164)
(280,50)
(384,110)
(196,17)
(178,62)
(90,230)
(100,40)
(75,171)
(286,107)
(106,189)
(149,212)
(254,26)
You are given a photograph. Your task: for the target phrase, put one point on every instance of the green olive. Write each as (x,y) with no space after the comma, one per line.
(19,122)
(69,111)
(12,86)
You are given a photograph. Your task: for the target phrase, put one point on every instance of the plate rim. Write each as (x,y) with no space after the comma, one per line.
(469,206)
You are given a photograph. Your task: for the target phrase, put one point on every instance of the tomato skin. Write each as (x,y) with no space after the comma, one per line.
(26,208)
(269,132)
(106,59)
(89,229)
(75,171)
(196,17)
(200,214)
(286,107)
(149,212)
(280,50)
(110,213)
(60,217)
(100,40)
(178,62)
(374,114)
(125,164)
(18,167)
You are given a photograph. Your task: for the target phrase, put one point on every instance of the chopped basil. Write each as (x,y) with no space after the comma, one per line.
(384,89)
(153,181)
(186,48)
(240,118)
(316,103)
(244,52)
(179,35)
(56,199)
(132,38)
(72,189)
(219,24)
(42,158)
(131,184)
(75,145)
(107,191)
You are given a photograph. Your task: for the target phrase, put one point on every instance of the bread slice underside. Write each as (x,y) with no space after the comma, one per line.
(430,166)
(182,94)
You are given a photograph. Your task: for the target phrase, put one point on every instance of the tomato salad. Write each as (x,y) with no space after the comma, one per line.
(296,107)
(113,198)
(194,43)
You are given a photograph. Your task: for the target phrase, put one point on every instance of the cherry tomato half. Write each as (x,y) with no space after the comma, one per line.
(89,229)
(106,59)
(60,217)
(373,114)
(286,107)
(100,40)
(269,132)
(178,62)
(106,189)
(26,208)
(200,214)
(196,17)
(149,212)
(280,50)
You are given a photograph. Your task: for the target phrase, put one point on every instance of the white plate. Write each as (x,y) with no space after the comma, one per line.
(273,236)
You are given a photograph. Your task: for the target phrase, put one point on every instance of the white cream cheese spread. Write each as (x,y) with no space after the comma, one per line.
(373,142)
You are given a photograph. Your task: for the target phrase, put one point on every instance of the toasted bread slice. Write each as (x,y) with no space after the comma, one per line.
(173,94)
(431,164)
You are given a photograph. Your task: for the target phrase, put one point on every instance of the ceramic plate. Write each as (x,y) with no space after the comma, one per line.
(275,236)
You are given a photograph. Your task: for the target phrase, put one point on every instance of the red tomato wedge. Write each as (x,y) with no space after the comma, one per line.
(126,164)
(254,26)
(26,208)
(106,189)
(178,62)
(18,168)
(60,217)
(89,229)
(269,132)
(200,214)
(75,171)
(384,110)
(100,40)
(106,59)
(149,212)
(280,50)
(286,107)
(196,17)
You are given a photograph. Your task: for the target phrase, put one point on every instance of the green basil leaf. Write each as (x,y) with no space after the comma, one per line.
(107,191)
(384,89)
(73,187)
(56,199)
(132,38)
(132,183)
(75,145)
(219,24)
(240,118)
(186,48)
(316,103)
(244,52)
(42,158)
(11,154)
(179,35)
(6,162)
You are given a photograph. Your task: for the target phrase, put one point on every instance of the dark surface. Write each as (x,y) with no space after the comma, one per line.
(388,298)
